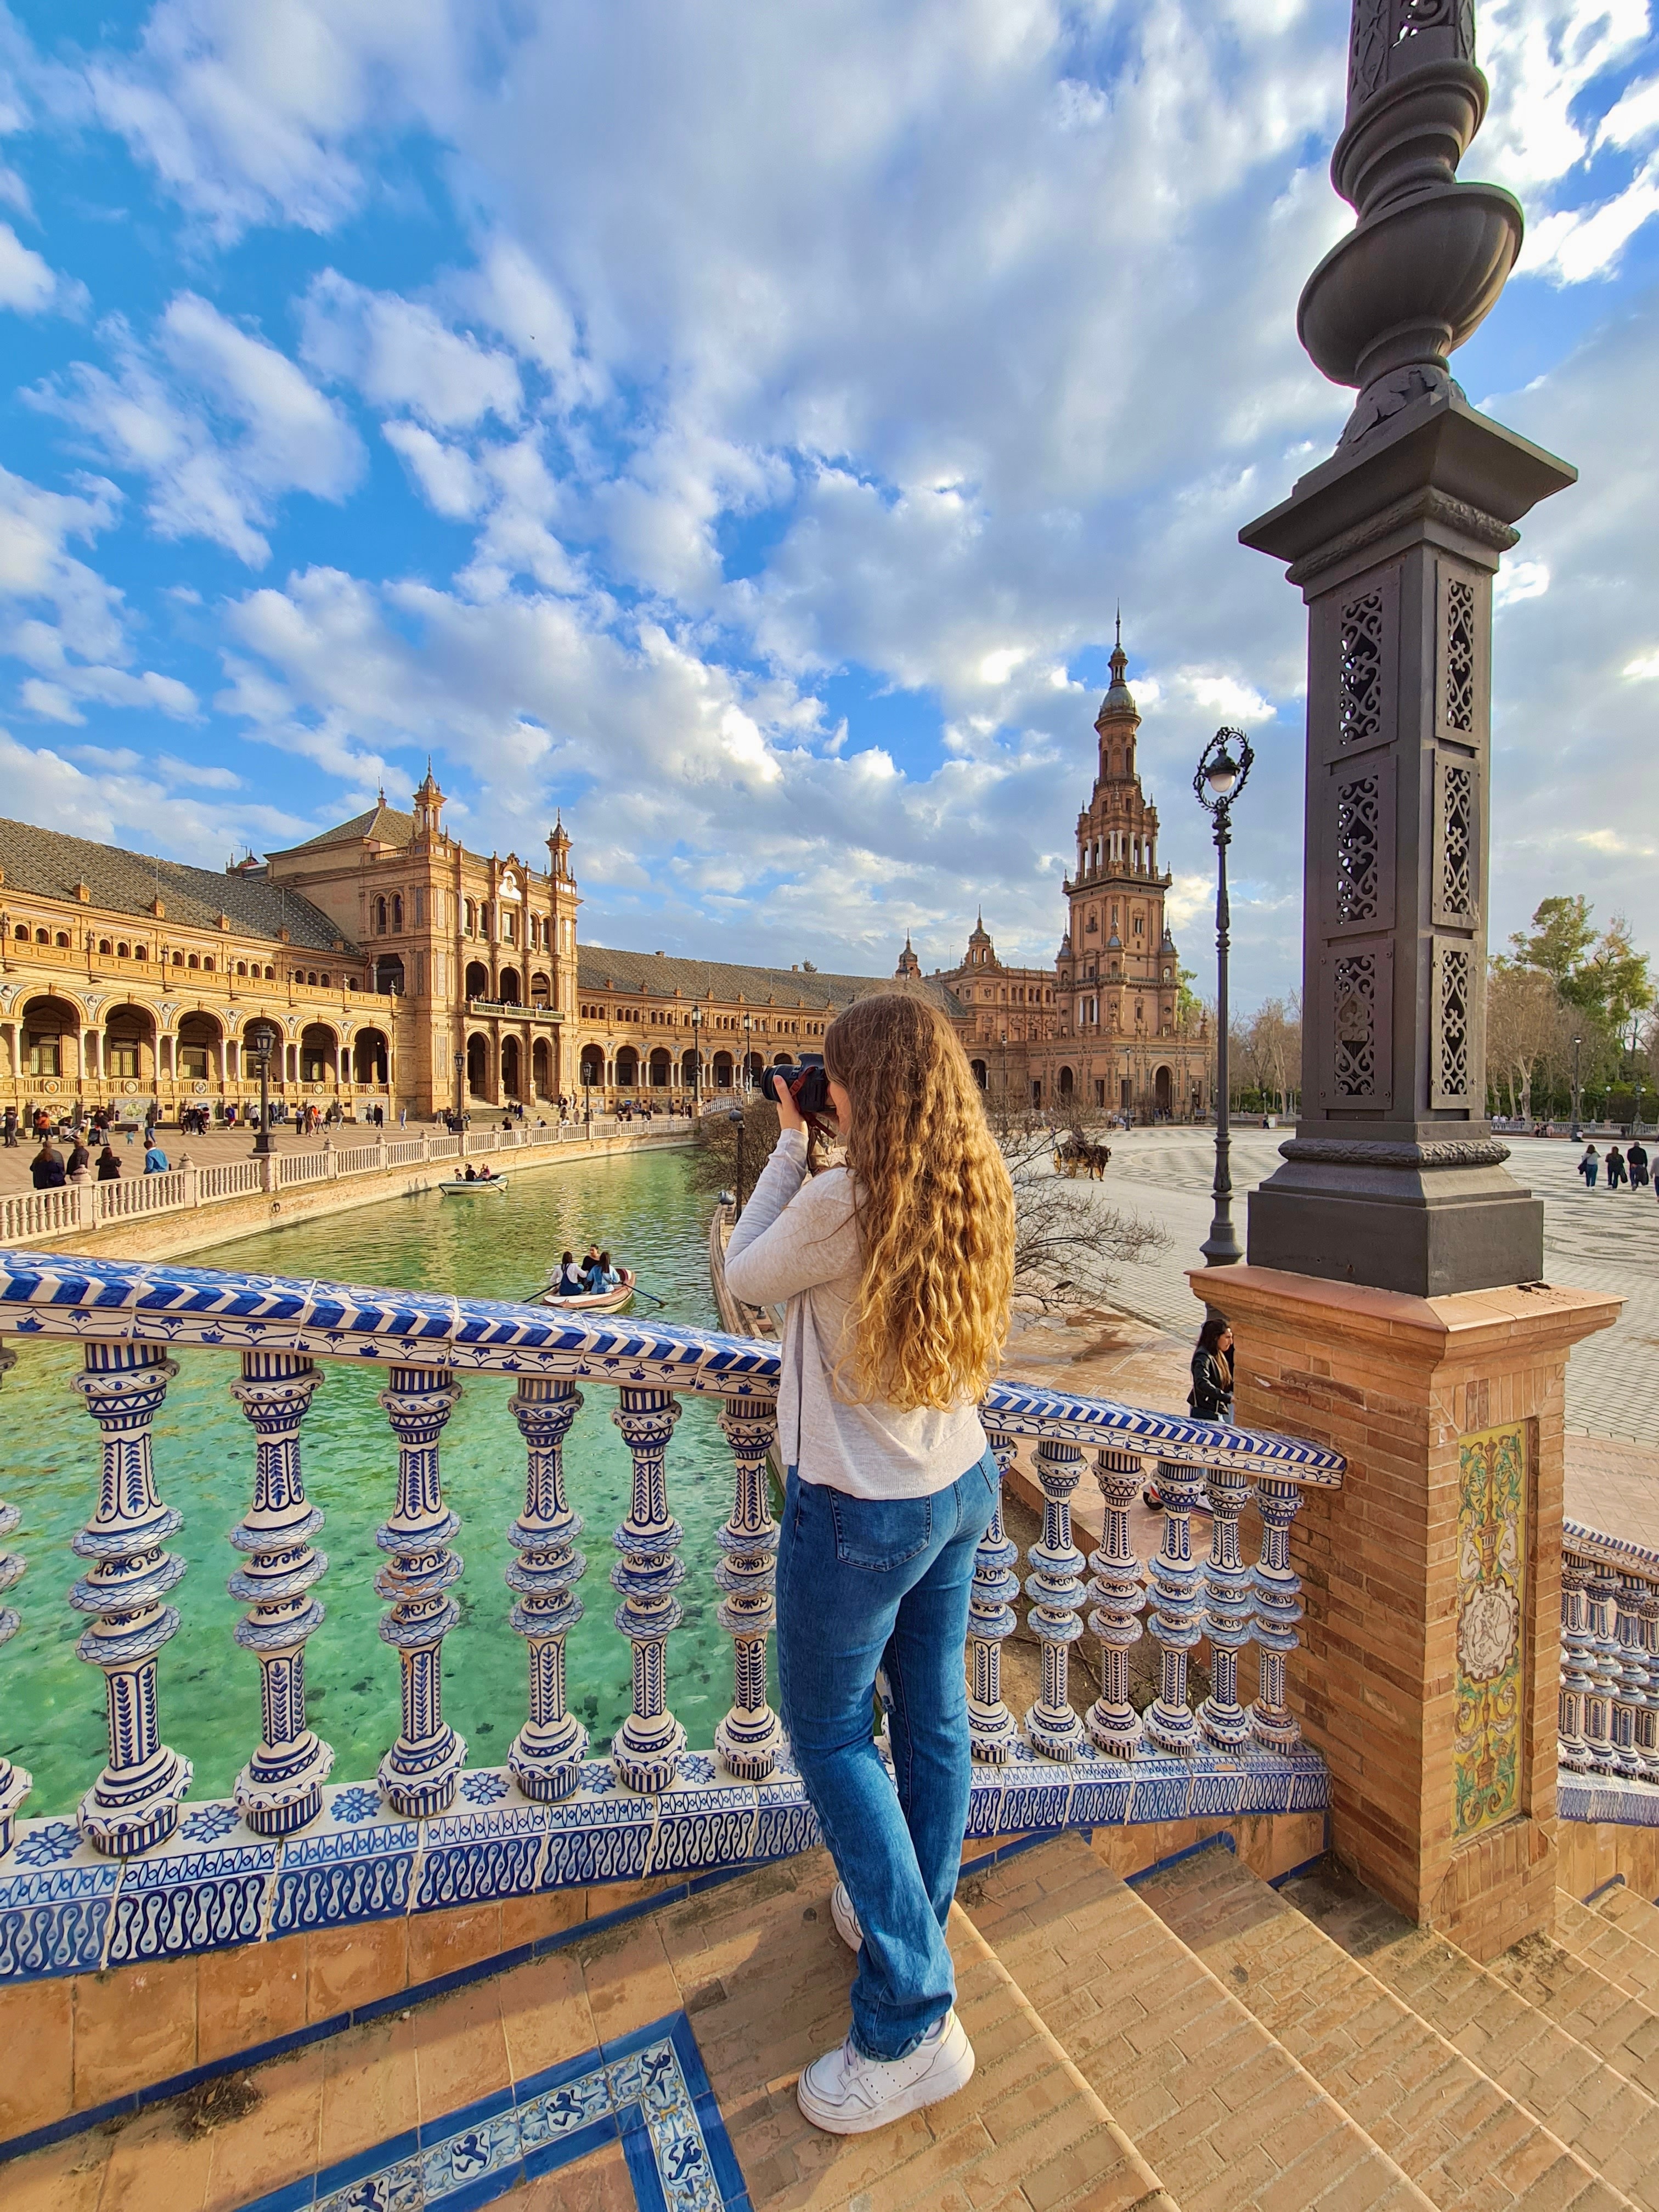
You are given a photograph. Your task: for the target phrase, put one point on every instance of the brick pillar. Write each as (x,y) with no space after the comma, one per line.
(1430,1663)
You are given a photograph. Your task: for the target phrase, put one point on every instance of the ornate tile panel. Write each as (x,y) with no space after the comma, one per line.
(1491,1565)
(649,2090)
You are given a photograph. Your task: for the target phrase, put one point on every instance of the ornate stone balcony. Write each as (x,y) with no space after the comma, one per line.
(143,1872)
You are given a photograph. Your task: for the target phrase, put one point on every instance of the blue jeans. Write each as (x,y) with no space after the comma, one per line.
(866,1584)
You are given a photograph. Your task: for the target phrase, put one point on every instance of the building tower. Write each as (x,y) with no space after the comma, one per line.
(907,964)
(1118,970)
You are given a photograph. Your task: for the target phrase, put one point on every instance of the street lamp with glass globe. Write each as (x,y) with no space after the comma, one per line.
(262,1041)
(697,1061)
(1224,770)
(748,1072)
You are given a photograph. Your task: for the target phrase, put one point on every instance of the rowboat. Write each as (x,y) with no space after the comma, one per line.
(458,1186)
(591,1302)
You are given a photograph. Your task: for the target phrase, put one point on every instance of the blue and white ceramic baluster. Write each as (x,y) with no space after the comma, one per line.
(992,1729)
(1578,1661)
(1278,1609)
(749,1737)
(646,1749)
(1055,1589)
(1229,1609)
(1647,1721)
(1120,1596)
(1630,1699)
(134,1804)
(546,1757)
(281,1787)
(418,1774)
(15,1782)
(1177,1620)
(1605,1670)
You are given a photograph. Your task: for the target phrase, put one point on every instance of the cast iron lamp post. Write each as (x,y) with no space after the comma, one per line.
(1576,1132)
(262,1040)
(1219,781)
(697,1061)
(735,1119)
(460,1096)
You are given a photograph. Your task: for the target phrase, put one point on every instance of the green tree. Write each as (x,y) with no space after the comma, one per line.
(1190,1007)
(1605,977)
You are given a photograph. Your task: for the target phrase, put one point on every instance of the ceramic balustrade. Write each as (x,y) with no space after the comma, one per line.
(645,1802)
(1609,1693)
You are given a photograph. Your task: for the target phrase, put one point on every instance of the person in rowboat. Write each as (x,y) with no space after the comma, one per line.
(602,1276)
(570,1284)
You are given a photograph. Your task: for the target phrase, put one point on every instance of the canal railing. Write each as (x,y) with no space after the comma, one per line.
(28,1215)
(140,1871)
(1609,1706)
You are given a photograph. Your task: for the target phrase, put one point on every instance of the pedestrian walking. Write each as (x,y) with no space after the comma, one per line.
(1589,1167)
(1636,1160)
(1615,1168)
(11,1128)
(46,1170)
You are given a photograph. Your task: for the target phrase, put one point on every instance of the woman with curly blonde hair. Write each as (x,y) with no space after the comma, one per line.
(897,1270)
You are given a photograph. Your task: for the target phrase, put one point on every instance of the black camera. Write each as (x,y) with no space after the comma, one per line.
(807,1084)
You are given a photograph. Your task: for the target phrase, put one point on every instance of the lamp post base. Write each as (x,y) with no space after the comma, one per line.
(1430,1233)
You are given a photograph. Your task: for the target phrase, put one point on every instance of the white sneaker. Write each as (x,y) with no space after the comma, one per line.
(846,1918)
(847,2094)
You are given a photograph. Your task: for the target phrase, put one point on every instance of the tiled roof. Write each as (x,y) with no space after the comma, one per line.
(389,825)
(598,969)
(51,864)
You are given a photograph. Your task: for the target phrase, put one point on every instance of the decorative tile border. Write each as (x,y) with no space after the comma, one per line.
(1614,1550)
(1607,1798)
(648,2091)
(65,1910)
(158,1302)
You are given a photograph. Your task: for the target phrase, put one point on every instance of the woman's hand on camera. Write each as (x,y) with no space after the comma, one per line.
(789,1114)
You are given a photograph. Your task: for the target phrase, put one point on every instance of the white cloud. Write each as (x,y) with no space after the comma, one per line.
(220,422)
(26,282)
(448,479)
(1520,580)
(400,354)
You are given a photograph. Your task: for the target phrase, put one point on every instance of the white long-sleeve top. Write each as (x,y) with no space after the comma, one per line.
(797,1242)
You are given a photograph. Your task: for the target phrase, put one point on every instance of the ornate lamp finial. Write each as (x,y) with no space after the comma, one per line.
(1424,266)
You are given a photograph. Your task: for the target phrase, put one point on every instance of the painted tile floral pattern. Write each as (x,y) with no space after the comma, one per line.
(1492,1557)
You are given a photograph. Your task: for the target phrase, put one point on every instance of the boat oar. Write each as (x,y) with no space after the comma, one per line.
(652,1295)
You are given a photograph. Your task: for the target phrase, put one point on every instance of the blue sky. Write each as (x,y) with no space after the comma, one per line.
(737,427)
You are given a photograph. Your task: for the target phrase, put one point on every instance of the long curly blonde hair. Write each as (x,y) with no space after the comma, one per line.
(933,1206)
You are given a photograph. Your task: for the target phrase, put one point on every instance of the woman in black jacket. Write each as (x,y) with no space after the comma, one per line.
(1210,1398)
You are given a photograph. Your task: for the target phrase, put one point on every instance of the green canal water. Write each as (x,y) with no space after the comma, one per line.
(51,1711)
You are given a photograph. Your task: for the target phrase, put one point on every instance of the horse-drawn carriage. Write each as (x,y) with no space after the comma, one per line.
(1075,1156)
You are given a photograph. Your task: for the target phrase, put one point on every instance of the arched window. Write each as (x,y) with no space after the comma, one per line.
(141,952)
(208,964)
(103,945)
(178,959)
(472,918)
(193,961)
(121,951)
(270,975)
(397,910)
(324,979)
(380,917)
(21,934)
(63,940)
(41,937)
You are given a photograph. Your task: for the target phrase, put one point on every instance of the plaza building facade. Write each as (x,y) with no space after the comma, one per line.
(406,974)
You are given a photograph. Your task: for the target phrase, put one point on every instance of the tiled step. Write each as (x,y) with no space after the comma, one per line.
(1609,2121)
(1465,2141)
(754,1970)
(1610,2020)
(1226,2116)
(1624,1959)
(765,1979)
(1629,1911)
